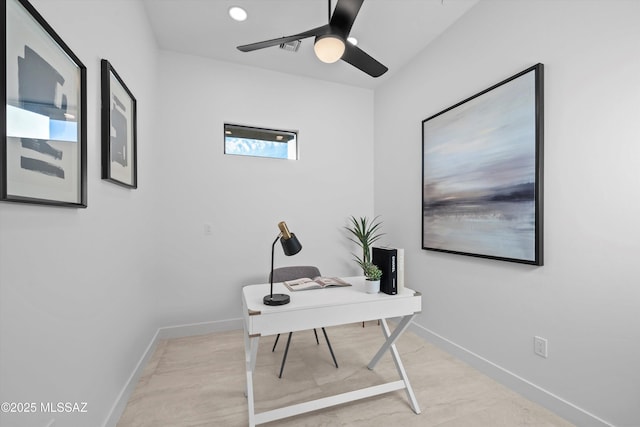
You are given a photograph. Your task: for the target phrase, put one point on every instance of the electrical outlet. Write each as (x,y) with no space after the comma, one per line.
(540,346)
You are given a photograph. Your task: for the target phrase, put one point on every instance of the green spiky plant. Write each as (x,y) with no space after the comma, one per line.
(364,233)
(371,271)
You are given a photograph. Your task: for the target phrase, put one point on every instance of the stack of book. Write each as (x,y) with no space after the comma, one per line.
(391,262)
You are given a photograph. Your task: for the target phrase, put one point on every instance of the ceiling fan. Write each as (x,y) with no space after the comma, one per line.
(330,44)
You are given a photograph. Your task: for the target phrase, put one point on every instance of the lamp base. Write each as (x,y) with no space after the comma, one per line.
(276,299)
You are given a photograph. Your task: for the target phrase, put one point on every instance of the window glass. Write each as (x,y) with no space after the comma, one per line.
(258,142)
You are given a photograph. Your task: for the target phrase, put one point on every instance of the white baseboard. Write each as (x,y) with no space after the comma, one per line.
(202,328)
(163,333)
(556,404)
(121,402)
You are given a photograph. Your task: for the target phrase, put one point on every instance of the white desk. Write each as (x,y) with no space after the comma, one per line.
(321,308)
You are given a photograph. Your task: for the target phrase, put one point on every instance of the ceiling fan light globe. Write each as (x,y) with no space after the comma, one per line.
(329,48)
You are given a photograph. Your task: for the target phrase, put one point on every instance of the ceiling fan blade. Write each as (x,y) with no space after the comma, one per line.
(361,60)
(275,42)
(345,14)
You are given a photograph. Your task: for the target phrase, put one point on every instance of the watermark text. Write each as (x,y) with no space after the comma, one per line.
(43,407)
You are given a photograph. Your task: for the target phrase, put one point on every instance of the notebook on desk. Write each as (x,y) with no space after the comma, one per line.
(319,282)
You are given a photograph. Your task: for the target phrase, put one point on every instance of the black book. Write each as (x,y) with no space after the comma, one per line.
(386,260)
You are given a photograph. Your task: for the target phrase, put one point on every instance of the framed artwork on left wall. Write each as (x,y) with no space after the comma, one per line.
(119,134)
(43,152)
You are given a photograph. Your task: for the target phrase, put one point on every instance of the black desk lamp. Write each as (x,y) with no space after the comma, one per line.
(290,246)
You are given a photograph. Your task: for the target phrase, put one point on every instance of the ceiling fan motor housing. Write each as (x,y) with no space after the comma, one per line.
(292,46)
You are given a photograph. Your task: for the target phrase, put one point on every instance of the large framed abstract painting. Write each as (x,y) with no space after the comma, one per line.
(119,134)
(483,173)
(43,153)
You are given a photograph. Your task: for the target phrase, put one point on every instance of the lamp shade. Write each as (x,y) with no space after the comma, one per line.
(291,246)
(329,48)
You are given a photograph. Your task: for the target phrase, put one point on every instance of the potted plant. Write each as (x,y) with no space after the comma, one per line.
(372,274)
(364,233)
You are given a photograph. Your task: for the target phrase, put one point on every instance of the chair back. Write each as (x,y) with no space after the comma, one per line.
(295,272)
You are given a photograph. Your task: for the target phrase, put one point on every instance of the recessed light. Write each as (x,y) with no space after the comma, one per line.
(237,13)
(352,40)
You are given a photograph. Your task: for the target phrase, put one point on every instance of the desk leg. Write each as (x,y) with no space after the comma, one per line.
(390,340)
(389,344)
(250,353)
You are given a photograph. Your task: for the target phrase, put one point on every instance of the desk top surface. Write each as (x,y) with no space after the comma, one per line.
(315,298)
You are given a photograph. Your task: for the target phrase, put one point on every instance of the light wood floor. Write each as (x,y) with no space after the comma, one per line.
(199,381)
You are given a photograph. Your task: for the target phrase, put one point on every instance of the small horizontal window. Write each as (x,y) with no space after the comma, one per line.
(258,142)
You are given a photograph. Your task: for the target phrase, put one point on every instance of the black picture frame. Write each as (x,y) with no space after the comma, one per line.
(482,173)
(44,135)
(119,129)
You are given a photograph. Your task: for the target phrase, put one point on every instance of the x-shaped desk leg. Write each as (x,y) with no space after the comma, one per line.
(251,349)
(389,344)
(250,354)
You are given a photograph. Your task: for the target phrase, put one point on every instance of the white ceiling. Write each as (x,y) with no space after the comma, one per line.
(392,31)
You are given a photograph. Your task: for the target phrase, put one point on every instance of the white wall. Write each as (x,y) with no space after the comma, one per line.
(82,292)
(243,197)
(585,298)
(76,304)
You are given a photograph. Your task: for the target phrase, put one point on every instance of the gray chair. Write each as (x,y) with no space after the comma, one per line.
(291,273)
